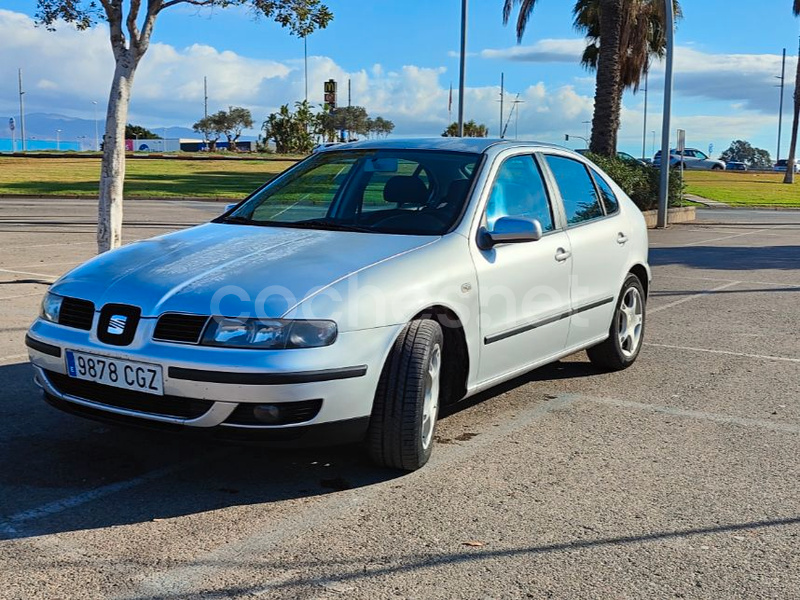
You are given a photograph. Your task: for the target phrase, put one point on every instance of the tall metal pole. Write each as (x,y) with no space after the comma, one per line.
(463,69)
(502,95)
(780,110)
(96,129)
(205,97)
(22,114)
(663,196)
(305,57)
(644,129)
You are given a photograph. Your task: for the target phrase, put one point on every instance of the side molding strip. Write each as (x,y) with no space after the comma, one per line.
(497,337)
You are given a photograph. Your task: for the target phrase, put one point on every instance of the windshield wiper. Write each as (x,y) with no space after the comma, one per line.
(331,225)
(239,221)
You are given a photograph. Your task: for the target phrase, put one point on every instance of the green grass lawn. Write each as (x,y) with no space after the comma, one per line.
(744,188)
(145,178)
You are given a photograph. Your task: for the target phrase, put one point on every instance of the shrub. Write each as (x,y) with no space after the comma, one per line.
(640,182)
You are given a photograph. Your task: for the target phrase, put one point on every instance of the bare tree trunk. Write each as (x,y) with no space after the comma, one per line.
(789,178)
(112,174)
(608,93)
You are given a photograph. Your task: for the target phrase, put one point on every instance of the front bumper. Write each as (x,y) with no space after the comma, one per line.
(341,379)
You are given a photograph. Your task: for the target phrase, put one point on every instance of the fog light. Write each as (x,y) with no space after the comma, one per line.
(267,413)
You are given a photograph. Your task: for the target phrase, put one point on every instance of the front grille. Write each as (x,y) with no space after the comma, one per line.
(290,413)
(174,327)
(76,313)
(169,406)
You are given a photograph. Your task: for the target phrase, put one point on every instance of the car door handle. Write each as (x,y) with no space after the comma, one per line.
(622,239)
(562,255)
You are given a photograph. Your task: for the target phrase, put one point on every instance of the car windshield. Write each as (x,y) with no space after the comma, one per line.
(412,192)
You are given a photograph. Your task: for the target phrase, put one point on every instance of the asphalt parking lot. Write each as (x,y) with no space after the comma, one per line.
(678,478)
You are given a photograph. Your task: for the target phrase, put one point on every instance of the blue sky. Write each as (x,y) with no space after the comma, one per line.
(401,58)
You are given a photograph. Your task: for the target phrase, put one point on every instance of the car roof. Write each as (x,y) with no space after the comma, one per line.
(452,144)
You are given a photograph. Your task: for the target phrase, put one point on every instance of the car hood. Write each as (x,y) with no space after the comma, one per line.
(230,269)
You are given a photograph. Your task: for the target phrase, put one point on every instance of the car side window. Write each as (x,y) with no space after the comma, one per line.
(606,193)
(700,155)
(578,192)
(519,191)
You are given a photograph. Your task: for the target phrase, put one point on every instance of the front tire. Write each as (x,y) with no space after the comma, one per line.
(626,334)
(406,404)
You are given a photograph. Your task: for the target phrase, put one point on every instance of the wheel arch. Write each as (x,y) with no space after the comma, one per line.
(643,276)
(456,351)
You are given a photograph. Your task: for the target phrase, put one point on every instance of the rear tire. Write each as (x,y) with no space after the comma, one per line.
(626,334)
(406,407)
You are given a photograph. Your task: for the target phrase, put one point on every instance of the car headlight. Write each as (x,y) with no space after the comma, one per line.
(269,334)
(51,307)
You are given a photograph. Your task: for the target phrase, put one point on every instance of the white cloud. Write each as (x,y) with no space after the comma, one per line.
(544,51)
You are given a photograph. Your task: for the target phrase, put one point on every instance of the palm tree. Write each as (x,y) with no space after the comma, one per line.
(789,178)
(634,31)
(643,35)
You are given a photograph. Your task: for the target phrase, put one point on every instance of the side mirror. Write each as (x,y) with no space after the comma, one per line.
(230,207)
(510,230)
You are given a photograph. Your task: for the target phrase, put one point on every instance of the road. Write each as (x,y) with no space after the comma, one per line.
(677,478)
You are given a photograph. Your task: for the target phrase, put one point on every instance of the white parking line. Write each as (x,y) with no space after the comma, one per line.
(695,414)
(788,285)
(13,526)
(719,239)
(26,246)
(726,352)
(49,264)
(27,273)
(692,297)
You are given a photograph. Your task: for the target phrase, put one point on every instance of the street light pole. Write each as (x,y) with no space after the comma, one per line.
(96,128)
(463,68)
(663,196)
(644,128)
(780,110)
(305,57)
(22,114)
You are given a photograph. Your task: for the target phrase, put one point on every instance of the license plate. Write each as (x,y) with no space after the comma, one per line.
(126,374)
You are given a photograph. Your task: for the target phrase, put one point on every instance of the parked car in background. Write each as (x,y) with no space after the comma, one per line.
(693,159)
(353,295)
(783,164)
(736,166)
(620,155)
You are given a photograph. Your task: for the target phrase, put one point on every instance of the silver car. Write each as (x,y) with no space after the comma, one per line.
(693,160)
(352,296)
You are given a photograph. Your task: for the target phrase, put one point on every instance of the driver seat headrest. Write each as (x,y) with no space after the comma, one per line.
(402,189)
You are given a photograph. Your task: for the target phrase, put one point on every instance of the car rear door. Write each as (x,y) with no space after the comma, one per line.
(598,234)
(523,287)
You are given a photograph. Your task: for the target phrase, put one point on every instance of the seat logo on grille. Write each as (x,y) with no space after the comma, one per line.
(116,325)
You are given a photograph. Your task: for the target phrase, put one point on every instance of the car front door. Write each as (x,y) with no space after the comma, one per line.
(524,287)
(598,233)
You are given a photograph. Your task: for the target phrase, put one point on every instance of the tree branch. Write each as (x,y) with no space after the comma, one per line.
(133,28)
(113,11)
(153,8)
(192,2)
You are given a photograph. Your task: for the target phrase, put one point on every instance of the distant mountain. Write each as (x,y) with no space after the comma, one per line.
(43,126)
